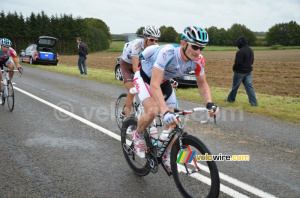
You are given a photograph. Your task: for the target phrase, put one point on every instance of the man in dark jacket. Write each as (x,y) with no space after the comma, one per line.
(83,54)
(242,69)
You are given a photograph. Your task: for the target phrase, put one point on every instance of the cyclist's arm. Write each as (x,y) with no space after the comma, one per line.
(203,88)
(136,49)
(205,91)
(135,63)
(16,62)
(156,79)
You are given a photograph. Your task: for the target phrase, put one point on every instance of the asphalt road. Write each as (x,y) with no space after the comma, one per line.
(46,153)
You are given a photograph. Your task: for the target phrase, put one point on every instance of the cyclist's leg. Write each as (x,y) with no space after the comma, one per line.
(150,107)
(150,111)
(127,72)
(11,66)
(129,99)
(171,102)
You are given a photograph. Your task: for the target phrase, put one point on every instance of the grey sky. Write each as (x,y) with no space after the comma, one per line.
(128,15)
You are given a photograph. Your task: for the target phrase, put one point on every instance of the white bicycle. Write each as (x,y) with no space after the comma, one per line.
(136,111)
(7,89)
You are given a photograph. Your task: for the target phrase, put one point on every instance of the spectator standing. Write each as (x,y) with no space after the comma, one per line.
(83,54)
(242,68)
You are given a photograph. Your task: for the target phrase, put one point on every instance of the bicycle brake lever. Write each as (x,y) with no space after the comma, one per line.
(215,117)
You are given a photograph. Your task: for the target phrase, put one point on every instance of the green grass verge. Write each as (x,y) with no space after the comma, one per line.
(284,108)
(117,46)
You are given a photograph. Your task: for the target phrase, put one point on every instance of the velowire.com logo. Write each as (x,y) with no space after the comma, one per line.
(188,156)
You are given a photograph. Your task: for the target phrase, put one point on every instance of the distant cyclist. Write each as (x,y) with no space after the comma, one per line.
(130,60)
(163,63)
(5,52)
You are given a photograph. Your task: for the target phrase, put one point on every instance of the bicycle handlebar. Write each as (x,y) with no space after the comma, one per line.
(186,112)
(7,70)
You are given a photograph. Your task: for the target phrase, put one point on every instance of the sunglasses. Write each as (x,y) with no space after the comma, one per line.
(152,40)
(196,47)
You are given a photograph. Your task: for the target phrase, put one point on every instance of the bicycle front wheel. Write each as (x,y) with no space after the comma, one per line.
(3,98)
(140,166)
(10,96)
(194,178)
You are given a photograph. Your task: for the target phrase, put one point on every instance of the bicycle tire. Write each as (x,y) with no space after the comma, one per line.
(140,166)
(3,98)
(189,186)
(11,96)
(119,110)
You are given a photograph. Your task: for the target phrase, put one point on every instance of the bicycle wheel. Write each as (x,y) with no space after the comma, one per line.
(3,98)
(197,178)
(139,166)
(120,110)
(11,96)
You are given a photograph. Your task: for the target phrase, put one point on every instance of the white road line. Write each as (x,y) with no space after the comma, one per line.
(239,184)
(227,178)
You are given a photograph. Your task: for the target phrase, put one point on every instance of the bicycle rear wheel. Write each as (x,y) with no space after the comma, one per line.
(120,110)
(140,166)
(197,178)
(11,96)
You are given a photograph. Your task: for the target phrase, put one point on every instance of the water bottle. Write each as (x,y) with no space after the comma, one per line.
(154,135)
(163,136)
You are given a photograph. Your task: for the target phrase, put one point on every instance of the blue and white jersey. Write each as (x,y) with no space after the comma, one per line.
(134,48)
(168,59)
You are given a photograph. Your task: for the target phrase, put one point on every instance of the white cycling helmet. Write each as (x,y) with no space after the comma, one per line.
(151,31)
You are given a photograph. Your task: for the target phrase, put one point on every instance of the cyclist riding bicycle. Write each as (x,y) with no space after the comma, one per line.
(160,64)
(130,60)
(5,52)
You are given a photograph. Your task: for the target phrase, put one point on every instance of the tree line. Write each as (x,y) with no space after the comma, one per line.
(24,31)
(286,34)
(96,34)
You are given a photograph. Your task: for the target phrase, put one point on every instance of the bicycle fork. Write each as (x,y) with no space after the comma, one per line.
(196,168)
(4,88)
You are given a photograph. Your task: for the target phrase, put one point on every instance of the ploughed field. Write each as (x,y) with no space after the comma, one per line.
(275,72)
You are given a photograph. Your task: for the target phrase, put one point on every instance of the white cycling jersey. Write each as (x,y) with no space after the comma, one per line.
(134,48)
(168,59)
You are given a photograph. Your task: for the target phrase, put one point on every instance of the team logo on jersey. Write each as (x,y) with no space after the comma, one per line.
(172,69)
(170,52)
(188,70)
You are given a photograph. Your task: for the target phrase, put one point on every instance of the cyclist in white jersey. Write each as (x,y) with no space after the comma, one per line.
(130,60)
(162,63)
(5,52)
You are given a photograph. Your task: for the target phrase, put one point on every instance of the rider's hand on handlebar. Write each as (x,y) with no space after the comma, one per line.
(213,108)
(170,118)
(20,69)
